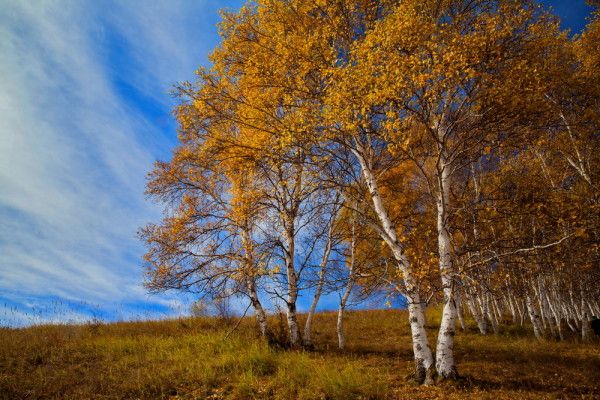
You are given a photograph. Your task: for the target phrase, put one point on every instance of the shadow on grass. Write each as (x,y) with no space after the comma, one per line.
(542,357)
(468,383)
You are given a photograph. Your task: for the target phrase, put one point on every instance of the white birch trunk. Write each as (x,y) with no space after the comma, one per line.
(497,310)
(459,311)
(520,310)
(538,330)
(489,312)
(568,318)
(323,269)
(347,290)
(261,316)
(445,364)
(596,307)
(586,327)
(424,364)
(477,316)
(340,317)
(589,305)
(512,308)
(259,311)
(536,290)
(339,328)
(575,308)
(557,317)
(292,295)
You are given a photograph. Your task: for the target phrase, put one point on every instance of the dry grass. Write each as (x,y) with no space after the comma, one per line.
(190,359)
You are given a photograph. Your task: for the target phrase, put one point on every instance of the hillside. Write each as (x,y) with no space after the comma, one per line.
(192,359)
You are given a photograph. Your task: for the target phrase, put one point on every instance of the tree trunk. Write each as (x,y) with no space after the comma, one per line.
(575,308)
(487,314)
(424,365)
(538,294)
(319,289)
(557,317)
(497,309)
(489,307)
(292,295)
(568,318)
(347,291)
(459,311)
(535,318)
(512,307)
(477,316)
(520,310)
(261,316)
(445,364)
(339,328)
(586,328)
(340,317)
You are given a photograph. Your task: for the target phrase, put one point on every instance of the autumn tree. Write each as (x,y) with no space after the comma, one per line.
(445,151)
(207,241)
(433,80)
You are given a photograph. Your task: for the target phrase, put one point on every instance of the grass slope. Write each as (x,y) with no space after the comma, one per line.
(191,359)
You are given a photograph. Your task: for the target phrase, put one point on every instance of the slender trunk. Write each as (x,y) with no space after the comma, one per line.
(535,318)
(589,305)
(340,317)
(292,289)
(489,312)
(311,312)
(512,307)
(575,308)
(485,310)
(339,328)
(250,273)
(543,316)
(445,364)
(557,318)
(261,316)
(571,326)
(521,313)
(347,291)
(586,328)
(579,164)
(497,310)
(424,364)
(459,311)
(477,316)
(596,307)
(568,316)
(319,288)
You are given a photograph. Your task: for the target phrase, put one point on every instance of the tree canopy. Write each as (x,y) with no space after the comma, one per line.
(444,151)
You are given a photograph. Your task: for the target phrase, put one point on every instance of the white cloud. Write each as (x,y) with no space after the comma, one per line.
(74,150)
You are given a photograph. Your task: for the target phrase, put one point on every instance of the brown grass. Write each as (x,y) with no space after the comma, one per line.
(190,359)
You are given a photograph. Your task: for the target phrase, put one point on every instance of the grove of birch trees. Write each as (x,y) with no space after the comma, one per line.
(443,151)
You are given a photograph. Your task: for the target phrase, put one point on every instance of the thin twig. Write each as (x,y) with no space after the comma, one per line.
(238,323)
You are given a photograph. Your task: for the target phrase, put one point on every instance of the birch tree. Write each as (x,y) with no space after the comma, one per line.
(429,77)
(460,135)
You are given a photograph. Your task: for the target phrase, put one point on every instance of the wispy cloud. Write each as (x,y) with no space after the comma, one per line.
(83,114)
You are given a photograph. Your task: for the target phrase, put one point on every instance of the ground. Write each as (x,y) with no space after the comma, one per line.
(199,358)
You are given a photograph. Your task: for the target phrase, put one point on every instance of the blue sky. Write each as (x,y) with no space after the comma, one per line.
(84,112)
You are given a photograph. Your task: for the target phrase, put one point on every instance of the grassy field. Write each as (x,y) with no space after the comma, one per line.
(193,359)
